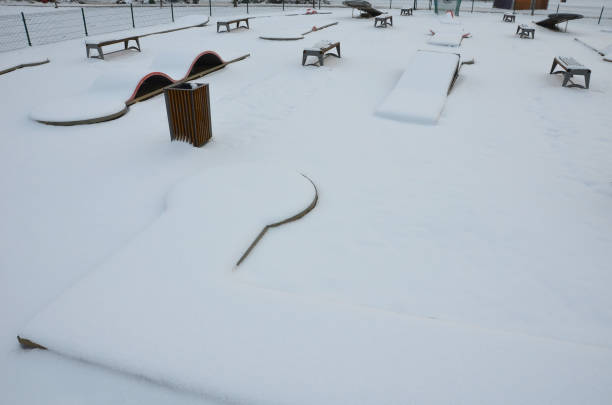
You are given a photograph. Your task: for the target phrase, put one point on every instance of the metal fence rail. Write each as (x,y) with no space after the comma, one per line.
(69,22)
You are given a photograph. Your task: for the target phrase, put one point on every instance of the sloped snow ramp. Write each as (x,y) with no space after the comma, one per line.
(421,92)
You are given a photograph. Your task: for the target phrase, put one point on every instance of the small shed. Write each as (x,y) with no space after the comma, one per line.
(521,4)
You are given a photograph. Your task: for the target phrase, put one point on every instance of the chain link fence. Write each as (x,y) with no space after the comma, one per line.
(24,29)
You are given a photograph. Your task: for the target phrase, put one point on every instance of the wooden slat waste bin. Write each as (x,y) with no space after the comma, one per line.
(188,107)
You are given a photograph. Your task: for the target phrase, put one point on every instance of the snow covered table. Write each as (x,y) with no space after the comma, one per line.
(406,11)
(319,50)
(570,68)
(383,21)
(525,31)
(509,17)
(97,45)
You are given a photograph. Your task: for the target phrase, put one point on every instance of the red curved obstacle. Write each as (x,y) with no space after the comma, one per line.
(155,82)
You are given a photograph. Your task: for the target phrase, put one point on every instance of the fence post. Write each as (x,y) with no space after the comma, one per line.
(84,23)
(161,2)
(414,6)
(557,9)
(598,21)
(209,8)
(26,28)
(430,4)
(313,4)
(172,11)
(319,4)
(472,6)
(247,6)
(283,5)
(132,11)
(390,2)
(532,6)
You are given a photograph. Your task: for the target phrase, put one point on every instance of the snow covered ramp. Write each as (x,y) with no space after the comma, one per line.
(421,92)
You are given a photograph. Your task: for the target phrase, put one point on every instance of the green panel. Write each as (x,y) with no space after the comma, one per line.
(442,6)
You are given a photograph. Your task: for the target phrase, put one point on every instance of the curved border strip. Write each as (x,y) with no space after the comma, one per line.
(95,120)
(24,65)
(296,38)
(28,344)
(295,217)
(176,29)
(322,27)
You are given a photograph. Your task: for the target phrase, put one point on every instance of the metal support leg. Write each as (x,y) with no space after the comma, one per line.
(554,65)
(566,78)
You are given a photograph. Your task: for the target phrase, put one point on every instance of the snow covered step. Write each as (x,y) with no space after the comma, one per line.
(421,92)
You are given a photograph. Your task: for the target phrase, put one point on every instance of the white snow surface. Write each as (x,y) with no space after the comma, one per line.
(464,262)
(420,94)
(78,107)
(607,51)
(446,39)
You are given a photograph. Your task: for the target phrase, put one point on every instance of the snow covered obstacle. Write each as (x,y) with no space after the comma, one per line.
(286,36)
(7,69)
(447,35)
(605,52)
(420,94)
(111,94)
(166,307)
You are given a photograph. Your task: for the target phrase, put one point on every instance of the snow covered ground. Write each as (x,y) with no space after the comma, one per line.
(466,261)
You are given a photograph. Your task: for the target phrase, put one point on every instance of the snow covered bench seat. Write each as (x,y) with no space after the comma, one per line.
(236,21)
(525,31)
(383,21)
(97,44)
(421,92)
(319,50)
(571,67)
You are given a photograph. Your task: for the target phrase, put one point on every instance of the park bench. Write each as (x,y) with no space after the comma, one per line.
(319,51)
(509,17)
(98,45)
(236,21)
(406,11)
(525,31)
(571,67)
(383,21)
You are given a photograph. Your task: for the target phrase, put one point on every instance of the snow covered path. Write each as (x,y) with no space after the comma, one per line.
(491,227)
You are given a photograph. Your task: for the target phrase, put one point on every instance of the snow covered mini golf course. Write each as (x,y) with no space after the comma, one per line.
(452,232)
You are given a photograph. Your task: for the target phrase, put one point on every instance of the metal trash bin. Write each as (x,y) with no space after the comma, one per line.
(188,107)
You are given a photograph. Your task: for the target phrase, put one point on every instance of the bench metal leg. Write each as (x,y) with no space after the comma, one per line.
(304,56)
(566,78)
(554,65)
(100,53)
(587,79)
(321,58)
